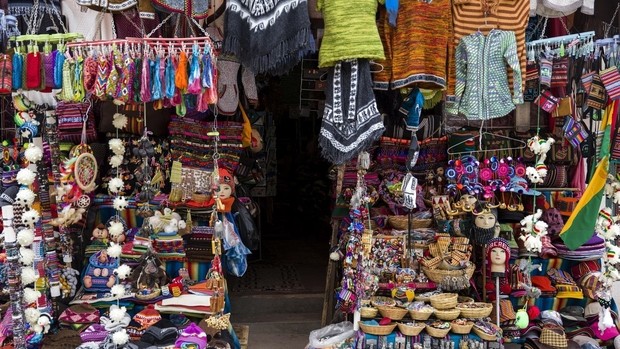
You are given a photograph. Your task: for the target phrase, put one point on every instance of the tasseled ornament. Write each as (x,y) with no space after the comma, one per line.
(145,86)
(117,291)
(120,337)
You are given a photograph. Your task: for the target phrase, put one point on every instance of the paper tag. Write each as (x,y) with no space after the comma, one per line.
(67,258)
(409,187)
(176,172)
(55,291)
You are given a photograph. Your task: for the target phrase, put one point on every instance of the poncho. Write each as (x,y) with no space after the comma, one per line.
(268,36)
(351,119)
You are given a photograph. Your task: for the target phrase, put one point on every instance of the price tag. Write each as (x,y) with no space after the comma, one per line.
(409,187)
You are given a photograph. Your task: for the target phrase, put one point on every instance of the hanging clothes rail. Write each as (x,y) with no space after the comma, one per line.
(43,38)
(566,39)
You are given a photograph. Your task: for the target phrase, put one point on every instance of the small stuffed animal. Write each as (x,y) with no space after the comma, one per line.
(533,175)
(613,253)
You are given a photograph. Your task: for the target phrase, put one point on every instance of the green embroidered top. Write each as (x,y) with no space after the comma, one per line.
(481,75)
(350,31)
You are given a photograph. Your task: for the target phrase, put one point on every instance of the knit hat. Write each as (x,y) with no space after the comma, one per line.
(192,334)
(147,317)
(80,314)
(499,243)
(227,178)
(584,268)
(590,283)
(94,333)
(552,337)
(8,196)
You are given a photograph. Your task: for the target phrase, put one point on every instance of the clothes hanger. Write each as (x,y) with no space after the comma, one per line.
(480,136)
(373,63)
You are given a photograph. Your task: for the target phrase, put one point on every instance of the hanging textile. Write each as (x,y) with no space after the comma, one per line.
(268,36)
(351,120)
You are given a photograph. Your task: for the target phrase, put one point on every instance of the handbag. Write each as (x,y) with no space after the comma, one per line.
(547,102)
(76,119)
(559,78)
(565,107)
(596,98)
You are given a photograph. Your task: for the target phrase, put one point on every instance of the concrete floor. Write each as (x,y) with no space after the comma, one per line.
(283,319)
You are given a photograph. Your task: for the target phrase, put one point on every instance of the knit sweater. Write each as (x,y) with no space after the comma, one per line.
(350,31)
(416,49)
(469,16)
(482,84)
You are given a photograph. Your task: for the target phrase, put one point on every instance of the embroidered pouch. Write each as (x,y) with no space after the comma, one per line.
(557,177)
(559,77)
(574,131)
(611,80)
(565,107)
(70,118)
(596,98)
(547,101)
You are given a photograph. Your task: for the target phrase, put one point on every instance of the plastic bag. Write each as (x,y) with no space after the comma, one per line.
(331,335)
(236,261)
(245,224)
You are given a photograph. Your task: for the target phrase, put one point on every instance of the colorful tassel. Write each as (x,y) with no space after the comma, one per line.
(169,77)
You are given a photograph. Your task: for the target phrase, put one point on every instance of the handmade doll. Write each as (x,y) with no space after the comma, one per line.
(100,234)
(149,276)
(498,257)
(226,225)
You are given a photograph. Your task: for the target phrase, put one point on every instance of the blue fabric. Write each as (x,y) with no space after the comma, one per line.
(155,80)
(412,109)
(59,62)
(392,9)
(207,70)
(18,67)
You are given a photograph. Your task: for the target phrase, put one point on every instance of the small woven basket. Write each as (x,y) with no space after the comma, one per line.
(444,301)
(393,313)
(465,299)
(482,310)
(411,330)
(380,301)
(377,330)
(439,275)
(402,222)
(486,336)
(420,315)
(447,314)
(369,312)
(437,332)
(461,329)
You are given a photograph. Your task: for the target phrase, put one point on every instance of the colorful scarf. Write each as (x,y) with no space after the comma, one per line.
(351,120)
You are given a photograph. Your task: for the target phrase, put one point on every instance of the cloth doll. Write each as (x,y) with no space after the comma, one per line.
(498,257)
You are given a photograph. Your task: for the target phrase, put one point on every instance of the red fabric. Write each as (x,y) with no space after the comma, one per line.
(33,71)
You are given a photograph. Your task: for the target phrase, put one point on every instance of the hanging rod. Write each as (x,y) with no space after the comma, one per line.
(561,39)
(43,38)
(96,43)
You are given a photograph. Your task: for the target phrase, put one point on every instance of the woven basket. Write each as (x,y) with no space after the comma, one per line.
(420,315)
(377,330)
(465,299)
(447,314)
(488,337)
(156,292)
(444,301)
(393,313)
(436,332)
(402,223)
(411,330)
(475,313)
(461,329)
(438,275)
(432,263)
(377,300)
(369,312)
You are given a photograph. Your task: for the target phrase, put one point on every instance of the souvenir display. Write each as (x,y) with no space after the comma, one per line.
(469,161)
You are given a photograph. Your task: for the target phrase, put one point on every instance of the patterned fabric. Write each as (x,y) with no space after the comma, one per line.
(611,80)
(198,9)
(80,314)
(6,73)
(596,98)
(482,84)
(509,15)
(560,277)
(268,36)
(553,336)
(351,120)
(416,49)
(350,31)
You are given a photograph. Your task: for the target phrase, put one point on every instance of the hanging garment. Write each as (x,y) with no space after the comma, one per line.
(108,5)
(90,23)
(268,36)
(351,120)
(416,50)
(468,18)
(482,82)
(197,9)
(350,31)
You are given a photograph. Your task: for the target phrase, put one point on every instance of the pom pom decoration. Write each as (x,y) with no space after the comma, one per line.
(30,295)
(115,185)
(32,315)
(33,153)
(26,256)
(29,276)
(120,337)
(116,161)
(116,146)
(123,271)
(116,229)
(117,313)
(25,237)
(120,203)
(114,250)
(119,121)
(25,177)
(30,218)
(117,291)
(25,198)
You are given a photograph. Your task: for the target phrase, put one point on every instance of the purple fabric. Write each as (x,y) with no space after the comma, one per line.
(94,333)
(49,64)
